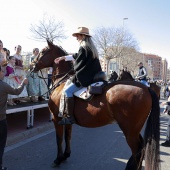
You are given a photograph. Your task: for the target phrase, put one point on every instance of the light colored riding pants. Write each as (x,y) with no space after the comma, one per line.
(68,91)
(145,83)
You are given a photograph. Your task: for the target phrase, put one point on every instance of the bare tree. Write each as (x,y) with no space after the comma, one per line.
(112,42)
(129,59)
(48,28)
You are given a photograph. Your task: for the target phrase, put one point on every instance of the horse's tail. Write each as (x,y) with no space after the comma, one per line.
(152,135)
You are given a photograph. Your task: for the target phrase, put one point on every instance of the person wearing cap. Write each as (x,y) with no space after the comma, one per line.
(142,74)
(86,65)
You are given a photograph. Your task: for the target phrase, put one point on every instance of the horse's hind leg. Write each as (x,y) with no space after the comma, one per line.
(136,145)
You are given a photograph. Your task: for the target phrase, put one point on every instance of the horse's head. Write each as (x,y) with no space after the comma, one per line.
(46,56)
(125,75)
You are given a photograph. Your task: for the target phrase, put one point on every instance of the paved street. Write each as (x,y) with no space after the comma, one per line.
(102,148)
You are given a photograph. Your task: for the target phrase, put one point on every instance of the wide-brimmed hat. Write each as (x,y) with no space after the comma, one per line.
(82,30)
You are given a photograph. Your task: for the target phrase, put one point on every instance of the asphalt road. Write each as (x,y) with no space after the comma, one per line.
(102,148)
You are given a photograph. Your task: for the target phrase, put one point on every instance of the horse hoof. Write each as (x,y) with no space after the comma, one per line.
(66,155)
(57,162)
(54,165)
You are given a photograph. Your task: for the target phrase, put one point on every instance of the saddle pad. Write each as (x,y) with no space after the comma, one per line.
(84,93)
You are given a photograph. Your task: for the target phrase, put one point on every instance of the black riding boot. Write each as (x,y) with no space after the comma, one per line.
(69,119)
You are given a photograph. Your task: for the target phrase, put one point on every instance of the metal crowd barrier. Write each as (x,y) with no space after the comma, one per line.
(30,112)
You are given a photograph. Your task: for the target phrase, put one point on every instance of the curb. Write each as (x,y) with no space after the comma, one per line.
(13,139)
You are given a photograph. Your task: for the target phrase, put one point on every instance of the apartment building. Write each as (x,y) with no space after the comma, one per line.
(110,66)
(26,59)
(155,63)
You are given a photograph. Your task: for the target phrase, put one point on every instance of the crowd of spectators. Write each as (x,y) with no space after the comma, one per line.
(15,74)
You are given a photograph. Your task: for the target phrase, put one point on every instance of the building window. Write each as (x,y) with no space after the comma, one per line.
(112,67)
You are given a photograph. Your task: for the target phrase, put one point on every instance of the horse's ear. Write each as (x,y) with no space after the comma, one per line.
(50,43)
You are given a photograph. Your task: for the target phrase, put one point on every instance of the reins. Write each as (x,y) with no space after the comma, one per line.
(41,77)
(58,83)
(55,76)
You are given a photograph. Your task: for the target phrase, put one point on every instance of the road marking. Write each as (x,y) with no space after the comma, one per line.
(9,148)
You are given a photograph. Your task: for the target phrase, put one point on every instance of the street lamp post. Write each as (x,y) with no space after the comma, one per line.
(123,35)
(124,20)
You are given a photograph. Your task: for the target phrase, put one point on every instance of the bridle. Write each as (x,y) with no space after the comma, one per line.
(64,75)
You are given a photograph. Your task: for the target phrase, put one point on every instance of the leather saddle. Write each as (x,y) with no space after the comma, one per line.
(99,81)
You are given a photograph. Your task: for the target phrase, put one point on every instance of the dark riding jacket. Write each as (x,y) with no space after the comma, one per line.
(142,73)
(85,67)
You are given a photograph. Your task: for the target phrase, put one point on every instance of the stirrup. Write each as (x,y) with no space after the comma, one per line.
(65,121)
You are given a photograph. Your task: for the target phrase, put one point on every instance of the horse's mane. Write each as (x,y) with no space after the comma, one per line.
(56,46)
(62,49)
(44,49)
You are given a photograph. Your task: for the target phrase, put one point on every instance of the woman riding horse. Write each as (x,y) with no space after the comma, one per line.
(129,103)
(86,65)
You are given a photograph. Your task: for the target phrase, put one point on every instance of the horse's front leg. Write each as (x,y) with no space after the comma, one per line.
(68,132)
(59,138)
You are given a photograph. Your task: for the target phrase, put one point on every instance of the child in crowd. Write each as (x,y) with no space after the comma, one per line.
(12,79)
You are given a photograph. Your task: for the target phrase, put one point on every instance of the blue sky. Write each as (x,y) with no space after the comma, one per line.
(148,21)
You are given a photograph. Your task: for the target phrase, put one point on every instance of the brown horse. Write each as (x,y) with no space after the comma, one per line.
(125,75)
(129,103)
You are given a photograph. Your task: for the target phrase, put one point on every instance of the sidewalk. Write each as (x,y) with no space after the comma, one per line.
(17,123)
